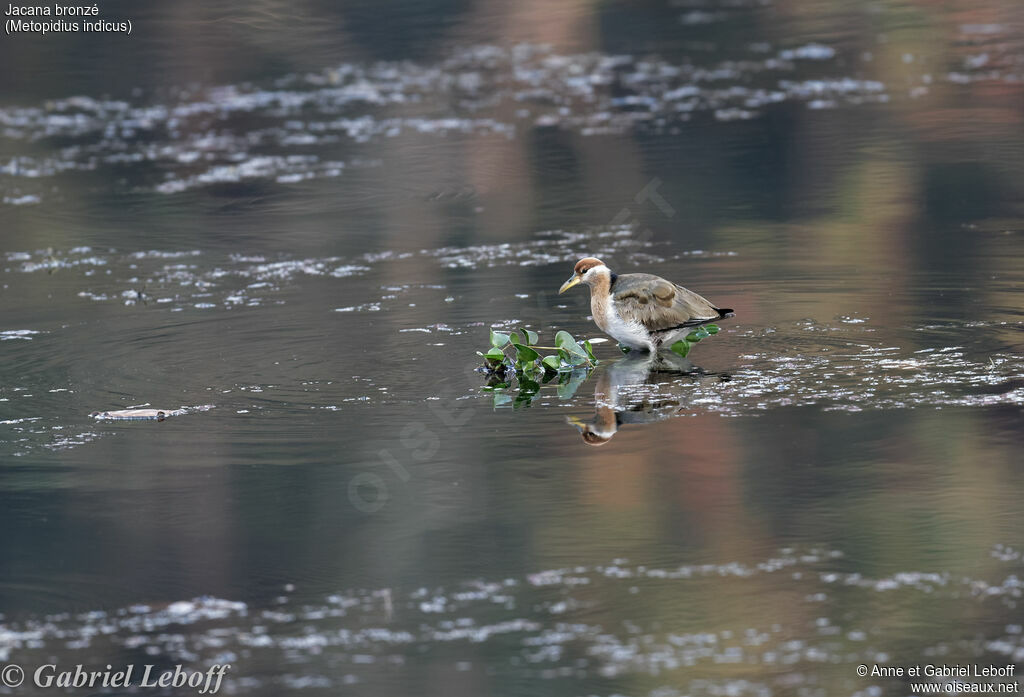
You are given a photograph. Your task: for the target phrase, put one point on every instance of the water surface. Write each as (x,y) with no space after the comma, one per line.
(298,233)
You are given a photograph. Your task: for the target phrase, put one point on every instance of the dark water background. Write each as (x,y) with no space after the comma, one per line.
(298,222)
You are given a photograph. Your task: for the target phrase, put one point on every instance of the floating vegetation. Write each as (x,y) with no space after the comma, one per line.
(301,126)
(14,334)
(552,626)
(133,415)
(146,414)
(178,279)
(683,346)
(516,355)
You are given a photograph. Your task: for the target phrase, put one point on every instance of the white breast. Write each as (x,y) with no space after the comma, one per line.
(630,334)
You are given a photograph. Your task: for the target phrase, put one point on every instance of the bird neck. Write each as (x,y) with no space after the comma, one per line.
(602,283)
(600,295)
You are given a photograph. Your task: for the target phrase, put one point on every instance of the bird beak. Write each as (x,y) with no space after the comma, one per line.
(569,284)
(578,423)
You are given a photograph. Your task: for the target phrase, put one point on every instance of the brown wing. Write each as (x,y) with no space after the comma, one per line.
(659,304)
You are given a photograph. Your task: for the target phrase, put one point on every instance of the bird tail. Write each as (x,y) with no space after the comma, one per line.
(722,314)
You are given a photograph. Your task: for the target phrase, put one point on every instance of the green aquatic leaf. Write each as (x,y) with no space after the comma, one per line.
(694,337)
(565,341)
(533,370)
(501,399)
(702,333)
(532,337)
(498,339)
(712,328)
(526,353)
(553,362)
(514,338)
(590,351)
(495,353)
(682,347)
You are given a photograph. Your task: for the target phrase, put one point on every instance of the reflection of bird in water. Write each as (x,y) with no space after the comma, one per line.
(615,404)
(640,310)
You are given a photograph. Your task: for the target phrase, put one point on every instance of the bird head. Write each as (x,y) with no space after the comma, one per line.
(585,271)
(591,432)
